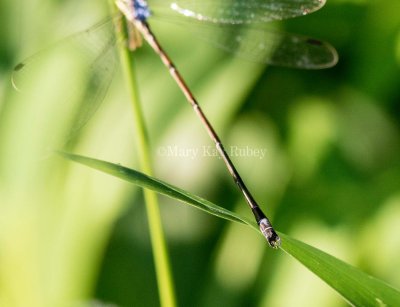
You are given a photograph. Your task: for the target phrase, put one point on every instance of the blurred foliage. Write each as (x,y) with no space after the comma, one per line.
(330,176)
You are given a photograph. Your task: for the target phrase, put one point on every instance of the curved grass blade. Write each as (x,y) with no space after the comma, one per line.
(355,286)
(240,11)
(158,186)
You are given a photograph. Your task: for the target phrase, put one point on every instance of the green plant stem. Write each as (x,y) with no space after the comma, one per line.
(160,252)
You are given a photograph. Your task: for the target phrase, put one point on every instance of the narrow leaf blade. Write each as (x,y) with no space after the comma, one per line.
(355,286)
(158,186)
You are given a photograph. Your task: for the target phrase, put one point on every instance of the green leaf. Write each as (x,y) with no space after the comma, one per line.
(356,287)
(159,186)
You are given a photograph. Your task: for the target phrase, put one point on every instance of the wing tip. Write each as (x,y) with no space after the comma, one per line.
(318,5)
(19,66)
(16,69)
(334,55)
(321,4)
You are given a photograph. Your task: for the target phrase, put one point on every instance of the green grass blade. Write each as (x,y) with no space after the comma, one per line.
(157,238)
(158,186)
(355,286)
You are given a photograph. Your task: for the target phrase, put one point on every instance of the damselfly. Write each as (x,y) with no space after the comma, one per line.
(223,16)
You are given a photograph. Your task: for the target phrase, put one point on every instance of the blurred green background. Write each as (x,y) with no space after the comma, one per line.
(330,176)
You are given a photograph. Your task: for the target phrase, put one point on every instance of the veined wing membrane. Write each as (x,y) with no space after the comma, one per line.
(272,47)
(257,43)
(79,68)
(238,11)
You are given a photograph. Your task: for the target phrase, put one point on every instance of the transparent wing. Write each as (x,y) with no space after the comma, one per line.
(237,11)
(265,45)
(236,27)
(271,47)
(83,65)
